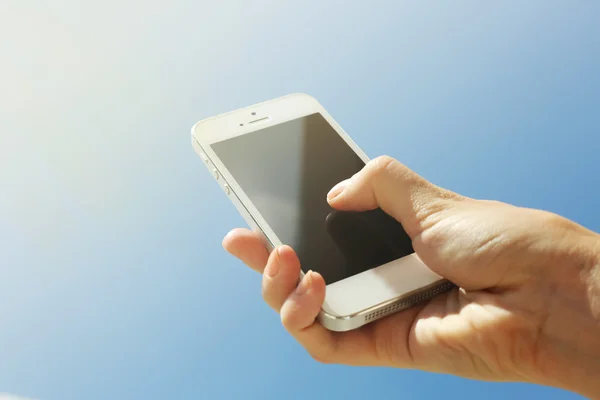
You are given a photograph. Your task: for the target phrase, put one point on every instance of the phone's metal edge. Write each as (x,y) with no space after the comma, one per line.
(411,299)
(329,321)
(241,207)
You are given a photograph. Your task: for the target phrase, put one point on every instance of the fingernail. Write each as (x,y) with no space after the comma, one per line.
(304,284)
(272,269)
(337,189)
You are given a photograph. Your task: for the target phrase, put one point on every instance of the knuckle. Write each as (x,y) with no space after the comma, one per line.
(554,220)
(265,289)
(263,292)
(547,221)
(284,316)
(386,168)
(383,164)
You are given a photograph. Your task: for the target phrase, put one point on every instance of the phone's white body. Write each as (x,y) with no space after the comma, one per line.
(351,302)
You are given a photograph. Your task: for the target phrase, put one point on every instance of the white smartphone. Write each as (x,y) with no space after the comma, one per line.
(276,161)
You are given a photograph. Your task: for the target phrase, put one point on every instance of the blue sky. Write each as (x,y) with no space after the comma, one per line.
(113,283)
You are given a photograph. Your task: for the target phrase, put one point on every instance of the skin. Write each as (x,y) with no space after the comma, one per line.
(528,307)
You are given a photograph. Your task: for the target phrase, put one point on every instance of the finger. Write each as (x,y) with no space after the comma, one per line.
(280,277)
(386,183)
(298,315)
(248,247)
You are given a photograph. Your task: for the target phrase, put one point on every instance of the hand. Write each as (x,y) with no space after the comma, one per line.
(528,307)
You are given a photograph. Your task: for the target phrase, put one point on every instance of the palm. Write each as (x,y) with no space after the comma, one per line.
(479,332)
(459,332)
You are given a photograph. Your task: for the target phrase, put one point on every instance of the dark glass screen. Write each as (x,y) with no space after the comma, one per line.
(286,170)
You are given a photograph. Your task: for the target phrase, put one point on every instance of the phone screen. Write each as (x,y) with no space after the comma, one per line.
(286,170)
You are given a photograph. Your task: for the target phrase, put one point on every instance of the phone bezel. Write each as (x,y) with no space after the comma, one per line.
(346,298)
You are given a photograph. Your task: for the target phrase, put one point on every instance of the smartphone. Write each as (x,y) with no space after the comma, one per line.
(276,161)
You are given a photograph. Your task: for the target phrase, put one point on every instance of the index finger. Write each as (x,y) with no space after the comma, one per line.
(248,247)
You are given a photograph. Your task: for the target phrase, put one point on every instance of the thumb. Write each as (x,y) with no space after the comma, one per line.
(391,186)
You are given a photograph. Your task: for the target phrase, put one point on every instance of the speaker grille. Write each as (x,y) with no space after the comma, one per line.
(408,302)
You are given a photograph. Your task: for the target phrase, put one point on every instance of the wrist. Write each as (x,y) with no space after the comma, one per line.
(572,330)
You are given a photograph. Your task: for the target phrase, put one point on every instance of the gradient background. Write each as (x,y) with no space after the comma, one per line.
(113,283)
